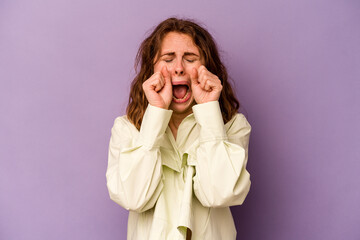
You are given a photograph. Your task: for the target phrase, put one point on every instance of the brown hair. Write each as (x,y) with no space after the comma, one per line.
(148,51)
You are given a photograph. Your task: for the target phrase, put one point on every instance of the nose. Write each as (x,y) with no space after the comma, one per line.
(179,72)
(179,68)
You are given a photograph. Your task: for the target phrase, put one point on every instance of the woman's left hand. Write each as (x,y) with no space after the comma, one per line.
(205,86)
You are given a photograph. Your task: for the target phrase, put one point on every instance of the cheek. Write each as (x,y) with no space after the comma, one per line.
(157,67)
(160,65)
(194,65)
(200,63)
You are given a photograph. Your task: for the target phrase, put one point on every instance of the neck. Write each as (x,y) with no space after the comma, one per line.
(175,120)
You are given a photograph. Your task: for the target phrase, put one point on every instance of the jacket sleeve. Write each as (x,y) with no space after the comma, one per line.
(221,156)
(134,172)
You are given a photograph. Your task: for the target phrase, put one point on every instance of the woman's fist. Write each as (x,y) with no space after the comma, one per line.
(158,89)
(205,86)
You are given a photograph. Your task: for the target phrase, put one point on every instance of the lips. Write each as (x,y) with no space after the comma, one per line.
(174,83)
(181,91)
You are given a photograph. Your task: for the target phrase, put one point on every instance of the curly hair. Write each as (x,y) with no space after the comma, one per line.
(148,51)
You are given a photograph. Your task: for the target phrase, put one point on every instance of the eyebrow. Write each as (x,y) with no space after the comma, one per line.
(185,54)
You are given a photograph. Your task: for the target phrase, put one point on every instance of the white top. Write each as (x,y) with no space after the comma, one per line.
(170,185)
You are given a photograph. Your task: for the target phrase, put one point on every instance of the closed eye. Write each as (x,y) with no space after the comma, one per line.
(188,60)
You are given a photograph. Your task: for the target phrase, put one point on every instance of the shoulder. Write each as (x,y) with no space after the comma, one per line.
(238,121)
(123,124)
(121,120)
(238,129)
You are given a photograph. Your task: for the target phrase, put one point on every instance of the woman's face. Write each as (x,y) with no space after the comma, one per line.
(180,55)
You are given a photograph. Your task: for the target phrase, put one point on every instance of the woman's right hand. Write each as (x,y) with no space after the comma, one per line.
(158,89)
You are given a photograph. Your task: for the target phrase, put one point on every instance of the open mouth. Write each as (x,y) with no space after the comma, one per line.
(181,92)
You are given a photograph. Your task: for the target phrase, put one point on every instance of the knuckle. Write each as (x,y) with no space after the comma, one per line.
(155,75)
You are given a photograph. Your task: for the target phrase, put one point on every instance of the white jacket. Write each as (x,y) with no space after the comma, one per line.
(170,185)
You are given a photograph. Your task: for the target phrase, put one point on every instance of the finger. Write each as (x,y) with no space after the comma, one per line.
(208,86)
(208,83)
(165,73)
(203,82)
(161,80)
(202,76)
(157,82)
(153,79)
(194,76)
(202,70)
(157,86)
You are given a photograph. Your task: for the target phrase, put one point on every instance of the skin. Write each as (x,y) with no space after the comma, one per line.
(180,61)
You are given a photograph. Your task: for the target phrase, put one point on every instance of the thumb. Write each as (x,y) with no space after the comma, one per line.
(166,75)
(194,76)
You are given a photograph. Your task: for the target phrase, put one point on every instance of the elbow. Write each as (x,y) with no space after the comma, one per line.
(214,202)
(135,206)
(133,201)
(226,201)
(212,198)
(223,196)
(243,193)
(219,202)
(242,188)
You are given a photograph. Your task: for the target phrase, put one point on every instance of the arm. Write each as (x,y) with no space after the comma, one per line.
(221,177)
(134,170)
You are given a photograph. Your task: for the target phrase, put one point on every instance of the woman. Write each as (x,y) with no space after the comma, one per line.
(177,160)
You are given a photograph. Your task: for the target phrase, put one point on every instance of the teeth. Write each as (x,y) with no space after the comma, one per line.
(187,93)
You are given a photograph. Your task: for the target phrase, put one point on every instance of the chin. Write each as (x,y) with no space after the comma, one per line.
(183,108)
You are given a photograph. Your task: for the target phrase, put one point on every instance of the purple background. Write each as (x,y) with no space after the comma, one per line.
(65,70)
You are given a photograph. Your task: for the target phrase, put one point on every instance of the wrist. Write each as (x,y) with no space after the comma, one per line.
(162,106)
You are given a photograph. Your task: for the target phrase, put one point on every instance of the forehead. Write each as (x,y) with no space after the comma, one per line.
(178,42)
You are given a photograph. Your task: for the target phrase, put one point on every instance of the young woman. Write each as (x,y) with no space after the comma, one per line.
(177,160)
